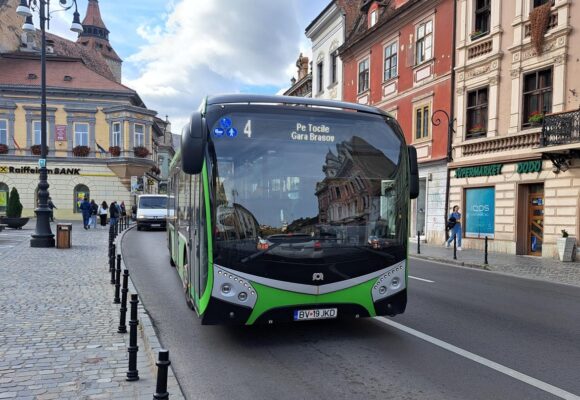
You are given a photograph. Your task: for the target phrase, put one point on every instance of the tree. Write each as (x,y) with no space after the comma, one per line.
(14,207)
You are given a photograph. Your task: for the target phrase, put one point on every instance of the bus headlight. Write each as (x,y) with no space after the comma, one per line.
(391,281)
(232,288)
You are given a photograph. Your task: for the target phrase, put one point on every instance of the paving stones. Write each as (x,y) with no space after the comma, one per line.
(540,268)
(59,335)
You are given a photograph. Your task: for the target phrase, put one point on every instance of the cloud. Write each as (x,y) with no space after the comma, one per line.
(213,46)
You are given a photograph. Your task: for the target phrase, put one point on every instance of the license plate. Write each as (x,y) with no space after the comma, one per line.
(319,313)
(155,225)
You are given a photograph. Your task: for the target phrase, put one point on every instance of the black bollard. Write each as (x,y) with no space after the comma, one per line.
(117,300)
(485,259)
(418,242)
(132,372)
(455,247)
(112,266)
(123,313)
(162,369)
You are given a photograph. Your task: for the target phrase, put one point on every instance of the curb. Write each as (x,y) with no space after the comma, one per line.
(454,262)
(147,331)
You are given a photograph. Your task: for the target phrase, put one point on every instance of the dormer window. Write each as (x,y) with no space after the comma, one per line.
(373,18)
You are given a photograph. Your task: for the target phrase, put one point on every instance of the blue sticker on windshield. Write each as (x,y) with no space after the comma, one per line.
(225,122)
(218,132)
(232,132)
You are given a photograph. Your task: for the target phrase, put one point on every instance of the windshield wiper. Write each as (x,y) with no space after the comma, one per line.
(259,253)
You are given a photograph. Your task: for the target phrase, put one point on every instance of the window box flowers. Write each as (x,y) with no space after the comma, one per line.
(3,148)
(535,118)
(35,149)
(141,151)
(81,151)
(476,34)
(115,151)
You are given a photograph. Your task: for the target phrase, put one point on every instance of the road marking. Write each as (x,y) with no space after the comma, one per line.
(421,279)
(556,391)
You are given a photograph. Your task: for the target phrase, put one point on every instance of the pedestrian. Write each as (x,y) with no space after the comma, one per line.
(86,210)
(94,212)
(454,227)
(123,209)
(52,207)
(134,212)
(114,213)
(103,211)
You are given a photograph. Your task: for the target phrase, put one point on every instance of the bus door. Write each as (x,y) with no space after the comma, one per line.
(194,238)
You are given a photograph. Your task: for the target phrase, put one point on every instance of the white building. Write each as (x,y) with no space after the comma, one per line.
(327,34)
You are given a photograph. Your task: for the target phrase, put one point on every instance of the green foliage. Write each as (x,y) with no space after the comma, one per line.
(14,207)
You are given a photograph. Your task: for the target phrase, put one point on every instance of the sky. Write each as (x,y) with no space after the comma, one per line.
(176,52)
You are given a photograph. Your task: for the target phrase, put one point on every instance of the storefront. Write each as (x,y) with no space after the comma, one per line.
(69,184)
(521,207)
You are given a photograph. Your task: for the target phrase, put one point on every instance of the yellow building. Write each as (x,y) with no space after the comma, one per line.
(99,132)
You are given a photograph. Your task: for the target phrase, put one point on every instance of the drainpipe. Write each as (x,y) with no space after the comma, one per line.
(452,113)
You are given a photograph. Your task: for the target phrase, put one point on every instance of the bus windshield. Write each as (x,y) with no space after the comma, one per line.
(302,185)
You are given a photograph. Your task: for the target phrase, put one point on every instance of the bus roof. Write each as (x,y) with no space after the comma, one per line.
(290,100)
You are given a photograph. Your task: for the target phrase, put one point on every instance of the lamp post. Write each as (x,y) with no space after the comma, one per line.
(450,132)
(43,236)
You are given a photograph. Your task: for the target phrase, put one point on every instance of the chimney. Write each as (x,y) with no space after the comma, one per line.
(302,64)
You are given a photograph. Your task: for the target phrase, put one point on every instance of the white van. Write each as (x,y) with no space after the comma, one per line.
(151,211)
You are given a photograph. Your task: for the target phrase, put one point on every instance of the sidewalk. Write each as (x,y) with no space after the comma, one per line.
(58,337)
(524,266)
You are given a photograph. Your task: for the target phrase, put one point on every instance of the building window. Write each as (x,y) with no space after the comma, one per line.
(424,43)
(480,212)
(422,122)
(139,135)
(36,132)
(320,76)
(3,131)
(334,67)
(482,17)
(390,61)
(476,113)
(373,18)
(538,3)
(116,138)
(363,76)
(3,197)
(537,95)
(81,134)
(80,192)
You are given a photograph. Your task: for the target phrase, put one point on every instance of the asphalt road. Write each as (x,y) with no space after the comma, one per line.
(473,335)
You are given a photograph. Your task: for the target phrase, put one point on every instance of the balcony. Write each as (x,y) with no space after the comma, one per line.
(552,23)
(561,129)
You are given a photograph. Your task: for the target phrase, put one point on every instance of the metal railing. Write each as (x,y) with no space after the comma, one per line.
(560,128)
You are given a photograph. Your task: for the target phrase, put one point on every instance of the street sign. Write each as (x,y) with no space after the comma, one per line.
(42,163)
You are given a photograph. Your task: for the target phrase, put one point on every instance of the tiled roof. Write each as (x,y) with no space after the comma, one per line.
(93,59)
(93,17)
(15,69)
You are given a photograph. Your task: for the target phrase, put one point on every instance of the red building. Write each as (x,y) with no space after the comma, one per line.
(398,56)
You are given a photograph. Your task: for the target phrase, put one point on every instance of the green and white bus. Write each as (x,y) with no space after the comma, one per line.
(291,209)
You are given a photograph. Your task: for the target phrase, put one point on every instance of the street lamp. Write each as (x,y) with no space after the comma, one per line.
(43,236)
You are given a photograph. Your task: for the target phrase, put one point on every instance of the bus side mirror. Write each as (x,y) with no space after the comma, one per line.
(413,173)
(193,142)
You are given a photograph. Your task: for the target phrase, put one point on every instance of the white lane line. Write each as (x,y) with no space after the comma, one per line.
(421,279)
(556,391)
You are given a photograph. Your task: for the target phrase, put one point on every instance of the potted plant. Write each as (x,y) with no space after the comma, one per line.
(141,151)
(115,151)
(3,148)
(35,149)
(535,118)
(81,151)
(155,169)
(476,34)
(476,130)
(566,246)
(13,216)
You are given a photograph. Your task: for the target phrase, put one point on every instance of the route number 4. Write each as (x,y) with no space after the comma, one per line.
(248,128)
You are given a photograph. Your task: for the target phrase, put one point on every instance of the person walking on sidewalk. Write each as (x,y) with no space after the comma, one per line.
(52,207)
(114,212)
(454,225)
(86,210)
(94,212)
(103,211)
